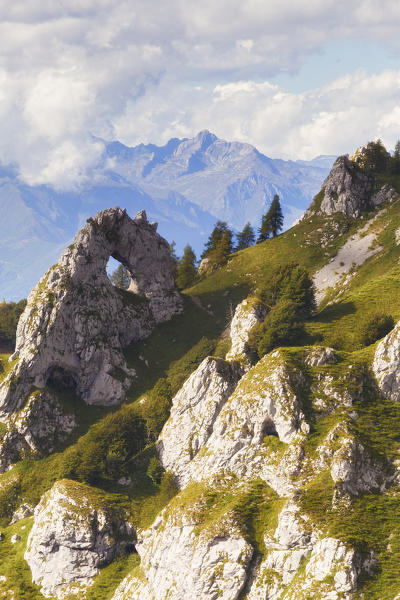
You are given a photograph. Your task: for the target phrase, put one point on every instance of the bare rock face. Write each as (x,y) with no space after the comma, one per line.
(346,189)
(194,410)
(265,403)
(386,364)
(73,535)
(352,468)
(320,355)
(247,314)
(384,195)
(182,564)
(76,322)
(35,430)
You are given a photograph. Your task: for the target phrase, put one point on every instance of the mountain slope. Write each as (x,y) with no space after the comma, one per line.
(282,475)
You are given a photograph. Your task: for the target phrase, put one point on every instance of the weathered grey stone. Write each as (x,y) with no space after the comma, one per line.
(76,322)
(247,314)
(346,189)
(320,356)
(352,468)
(383,196)
(265,402)
(22,512)
(386,364)
(73,535)
(193,413)
(180,564)
(35,430)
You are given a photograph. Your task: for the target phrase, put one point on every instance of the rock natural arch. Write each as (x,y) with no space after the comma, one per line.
(76,322)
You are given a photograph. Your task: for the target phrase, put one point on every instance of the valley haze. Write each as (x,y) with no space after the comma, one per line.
(185,186)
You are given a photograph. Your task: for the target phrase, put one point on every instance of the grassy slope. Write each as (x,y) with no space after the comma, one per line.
(176,348)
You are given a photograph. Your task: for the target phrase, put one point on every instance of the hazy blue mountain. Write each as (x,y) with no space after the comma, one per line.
(185,185)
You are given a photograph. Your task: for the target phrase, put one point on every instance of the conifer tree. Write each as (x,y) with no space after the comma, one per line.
(215,238)
(395,162)
(272,221)
(222,250)
(245,238)
(186,269)
(174,259)
(120,277)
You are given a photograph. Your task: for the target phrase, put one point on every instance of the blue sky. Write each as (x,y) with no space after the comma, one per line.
(296,78)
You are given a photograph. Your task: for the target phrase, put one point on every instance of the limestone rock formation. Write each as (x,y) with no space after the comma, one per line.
(384,195)
(74,534)
(193,413)
(346,189)
(352,469)
(247,314)
(76,322)
(386,364)
(350,191)
(35,430)
(264,403)
(179,562)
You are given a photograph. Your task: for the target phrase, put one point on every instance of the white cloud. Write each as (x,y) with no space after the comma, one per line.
(142,70)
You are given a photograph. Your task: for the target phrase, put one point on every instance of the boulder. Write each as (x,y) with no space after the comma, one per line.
(180,563)
(36,430)
(74,534)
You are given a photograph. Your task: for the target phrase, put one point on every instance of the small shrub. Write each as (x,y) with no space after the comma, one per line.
(374,328)
(155,470)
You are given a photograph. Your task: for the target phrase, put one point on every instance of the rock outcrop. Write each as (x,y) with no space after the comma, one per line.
(193,413)
(386,364)
(247,314)
(265,403)
(349,190)
(76,323)
(182,559)
(36,430)
(346,189)
(73,535)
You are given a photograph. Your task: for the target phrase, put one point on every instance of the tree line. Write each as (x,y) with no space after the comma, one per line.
(221,243)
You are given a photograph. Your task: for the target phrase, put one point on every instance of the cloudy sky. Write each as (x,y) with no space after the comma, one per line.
(296,78)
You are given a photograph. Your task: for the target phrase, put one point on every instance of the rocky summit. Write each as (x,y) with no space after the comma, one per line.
(239,440)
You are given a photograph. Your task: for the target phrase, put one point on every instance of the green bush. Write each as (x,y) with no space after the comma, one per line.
(282,327)
(155,470)
(155,409)
(290,282)
(104,450)
(374,328)
(10,313)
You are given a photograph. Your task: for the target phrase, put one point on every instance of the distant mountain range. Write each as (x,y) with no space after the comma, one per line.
(185,185)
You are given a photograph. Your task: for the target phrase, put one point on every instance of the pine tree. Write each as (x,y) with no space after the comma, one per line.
(245,238)
(272,221)
(121,278)
(186,269)
(222,250)
(395,161)
(174,260)
(215,238)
